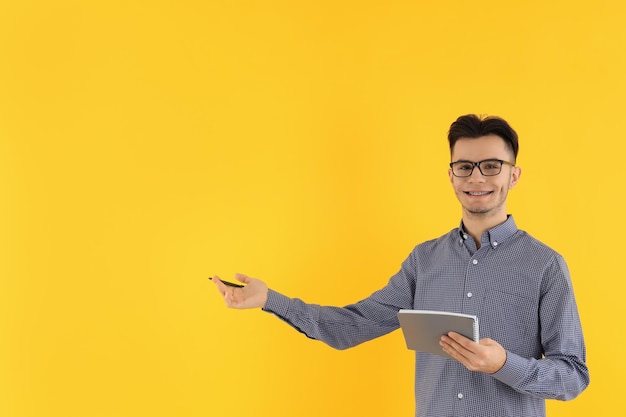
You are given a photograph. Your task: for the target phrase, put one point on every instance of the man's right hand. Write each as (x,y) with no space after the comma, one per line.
(253,295)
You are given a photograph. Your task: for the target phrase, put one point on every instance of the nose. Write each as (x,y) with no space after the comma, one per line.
(476,175)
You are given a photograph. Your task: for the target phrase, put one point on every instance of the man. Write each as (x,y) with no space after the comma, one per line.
(533,347)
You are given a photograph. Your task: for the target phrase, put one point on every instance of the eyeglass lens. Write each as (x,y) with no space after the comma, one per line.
(487,168)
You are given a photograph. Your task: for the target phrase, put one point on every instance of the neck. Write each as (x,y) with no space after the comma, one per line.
(477,224)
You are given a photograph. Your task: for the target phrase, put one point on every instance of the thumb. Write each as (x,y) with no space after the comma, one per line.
(488,342)
(242,278)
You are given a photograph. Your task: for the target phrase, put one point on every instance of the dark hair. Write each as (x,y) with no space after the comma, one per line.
(474,126)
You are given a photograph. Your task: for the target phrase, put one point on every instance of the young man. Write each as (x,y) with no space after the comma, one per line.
(533,347)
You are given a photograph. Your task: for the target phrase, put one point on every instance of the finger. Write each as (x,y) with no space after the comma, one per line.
(459,338)
(462,340)
(456,342)
(451,340)
(227,299)
(225,291)
(219,284)
(242,278)
(445,345)
(487,342)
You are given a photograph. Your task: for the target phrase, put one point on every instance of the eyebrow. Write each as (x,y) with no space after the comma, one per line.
(486,159)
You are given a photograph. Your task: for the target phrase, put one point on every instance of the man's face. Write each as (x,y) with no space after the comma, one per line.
(481,195)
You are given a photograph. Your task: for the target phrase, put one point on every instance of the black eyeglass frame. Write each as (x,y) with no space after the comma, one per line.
(477,164)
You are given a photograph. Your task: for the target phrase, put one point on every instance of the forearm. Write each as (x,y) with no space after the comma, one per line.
(561,373)
(339,327)
(561,378)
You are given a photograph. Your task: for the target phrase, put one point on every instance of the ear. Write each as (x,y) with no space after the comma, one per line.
(516,173)
(450,176)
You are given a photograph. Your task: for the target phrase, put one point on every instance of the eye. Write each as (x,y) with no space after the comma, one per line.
(491,164)
(464,166)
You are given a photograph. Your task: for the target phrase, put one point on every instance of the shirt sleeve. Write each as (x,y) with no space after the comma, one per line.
(348,326)
(562,372)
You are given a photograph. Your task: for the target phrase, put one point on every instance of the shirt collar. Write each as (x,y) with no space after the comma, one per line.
(496,235)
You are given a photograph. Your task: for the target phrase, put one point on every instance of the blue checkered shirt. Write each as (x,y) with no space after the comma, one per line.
(520,290)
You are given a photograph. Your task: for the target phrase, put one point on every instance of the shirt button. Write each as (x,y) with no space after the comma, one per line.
(465,236)
(469,295)
(460,395)
(495,244)
(475,262)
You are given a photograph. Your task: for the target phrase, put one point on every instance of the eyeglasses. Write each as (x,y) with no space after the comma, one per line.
(488,167)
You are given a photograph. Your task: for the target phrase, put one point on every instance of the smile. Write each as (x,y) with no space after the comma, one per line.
(478,193)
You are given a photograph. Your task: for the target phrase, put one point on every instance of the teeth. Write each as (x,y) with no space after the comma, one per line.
(478,192)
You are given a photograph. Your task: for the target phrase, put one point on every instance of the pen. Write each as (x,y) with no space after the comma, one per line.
(230,284)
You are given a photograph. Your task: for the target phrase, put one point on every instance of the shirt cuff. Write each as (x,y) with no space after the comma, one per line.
(276,303)
(513,370)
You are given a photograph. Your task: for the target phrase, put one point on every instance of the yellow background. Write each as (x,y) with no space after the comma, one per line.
(145,145)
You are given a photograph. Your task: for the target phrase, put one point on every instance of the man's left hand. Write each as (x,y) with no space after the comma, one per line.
(485,356)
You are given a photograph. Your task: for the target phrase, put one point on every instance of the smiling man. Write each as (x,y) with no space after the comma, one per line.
(483,171)
(532,347)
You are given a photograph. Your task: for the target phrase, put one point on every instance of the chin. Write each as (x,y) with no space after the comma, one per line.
(478,211)
(483,211)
